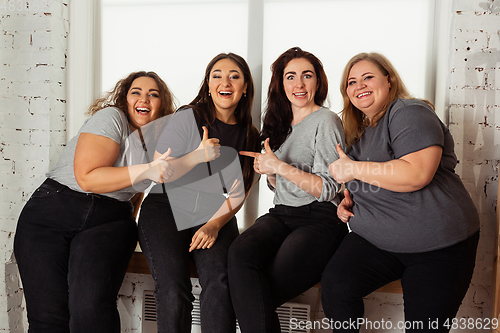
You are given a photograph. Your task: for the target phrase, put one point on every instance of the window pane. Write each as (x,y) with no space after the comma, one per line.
(176,39)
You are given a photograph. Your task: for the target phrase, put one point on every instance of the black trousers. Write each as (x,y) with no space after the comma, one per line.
(279,257)
(72,250)
(434,283)
(167,252)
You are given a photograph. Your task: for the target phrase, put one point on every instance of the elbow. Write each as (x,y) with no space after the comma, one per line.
(419,182)
(83,184)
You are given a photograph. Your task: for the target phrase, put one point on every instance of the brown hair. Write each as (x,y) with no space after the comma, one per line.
(278,117)
(117,97)
(354,120)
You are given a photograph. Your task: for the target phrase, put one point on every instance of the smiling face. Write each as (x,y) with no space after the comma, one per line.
(226,85)
(143,100)
(367,88)
(300,83)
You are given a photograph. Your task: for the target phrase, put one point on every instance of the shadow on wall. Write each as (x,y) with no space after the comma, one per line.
(475,124)
(14,297)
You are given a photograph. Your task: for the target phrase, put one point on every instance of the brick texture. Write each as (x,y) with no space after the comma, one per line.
(33,47)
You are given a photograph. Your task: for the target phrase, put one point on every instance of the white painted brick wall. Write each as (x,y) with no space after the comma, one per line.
(32,119)
(474,105)
(32,122)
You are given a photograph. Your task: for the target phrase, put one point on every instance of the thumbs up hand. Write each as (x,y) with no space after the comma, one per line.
(266,163)
(162,169)
(211,147)
(342,170)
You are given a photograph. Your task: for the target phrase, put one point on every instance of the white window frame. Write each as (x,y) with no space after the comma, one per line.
(84,67)
(84,57)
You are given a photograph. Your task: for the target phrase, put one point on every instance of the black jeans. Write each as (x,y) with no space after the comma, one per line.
(73,250)
(434,283)
(167,252)
(279,257)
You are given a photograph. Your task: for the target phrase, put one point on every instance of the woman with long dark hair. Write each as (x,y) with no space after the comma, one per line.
(284,252)
(193,217)
(77,232)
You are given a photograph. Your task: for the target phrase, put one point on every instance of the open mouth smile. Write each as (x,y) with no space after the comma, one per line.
(141,110)
(226,93)
(364,94)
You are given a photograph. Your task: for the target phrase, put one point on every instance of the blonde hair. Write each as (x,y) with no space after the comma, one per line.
(353,119)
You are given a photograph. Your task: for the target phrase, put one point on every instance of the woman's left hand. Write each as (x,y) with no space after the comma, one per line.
(266,163)
(342,170)
(205,237)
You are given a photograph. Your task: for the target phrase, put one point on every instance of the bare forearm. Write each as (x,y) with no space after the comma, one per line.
(186,163)
(396,175)
(311,183)
(110,179)
(226,212)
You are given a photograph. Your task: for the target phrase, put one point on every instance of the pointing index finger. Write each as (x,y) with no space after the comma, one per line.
(249,153)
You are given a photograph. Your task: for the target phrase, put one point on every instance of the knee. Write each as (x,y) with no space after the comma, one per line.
(173,289)
(337,287)
(239,253)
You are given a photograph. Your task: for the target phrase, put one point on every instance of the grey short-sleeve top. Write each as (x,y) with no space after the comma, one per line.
(311,147)
(440,214)
(112,123)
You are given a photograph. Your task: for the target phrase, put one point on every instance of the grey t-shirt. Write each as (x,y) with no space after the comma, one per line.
(439,215)
(310,147)
(111,123)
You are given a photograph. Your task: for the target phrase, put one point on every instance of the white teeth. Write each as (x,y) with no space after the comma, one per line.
(142,110)
(299,94)
(364,94)
(226,93)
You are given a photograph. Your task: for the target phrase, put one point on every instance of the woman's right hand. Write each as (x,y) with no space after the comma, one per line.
(160,170)
(344,210)
(210,147)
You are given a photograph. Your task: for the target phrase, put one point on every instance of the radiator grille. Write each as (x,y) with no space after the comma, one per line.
(285,313)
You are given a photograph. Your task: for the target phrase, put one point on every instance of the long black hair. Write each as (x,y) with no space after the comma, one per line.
(204,107)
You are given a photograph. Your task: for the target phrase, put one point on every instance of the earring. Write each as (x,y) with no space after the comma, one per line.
(209,94)
(245,94)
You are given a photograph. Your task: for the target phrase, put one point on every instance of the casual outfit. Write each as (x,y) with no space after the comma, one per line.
(427,238)
(169,220)
(73,247)
(285,251)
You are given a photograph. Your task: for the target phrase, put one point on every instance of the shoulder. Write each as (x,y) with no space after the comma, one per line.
(408,107)
(327,118)
(110,112)
(109,115)
(411,111)
(183,116)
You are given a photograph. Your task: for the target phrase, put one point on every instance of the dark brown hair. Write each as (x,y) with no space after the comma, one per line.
(278,117)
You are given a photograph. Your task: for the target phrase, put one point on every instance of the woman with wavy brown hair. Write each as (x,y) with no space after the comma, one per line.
(194,220)
(284,252)
(77,232)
